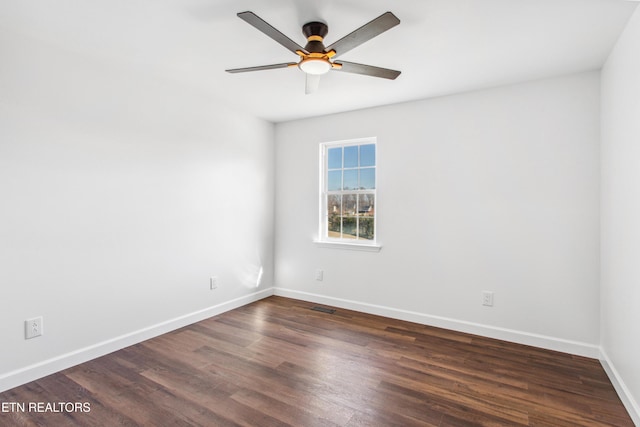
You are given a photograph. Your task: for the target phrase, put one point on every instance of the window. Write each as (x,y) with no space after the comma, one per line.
(348,192)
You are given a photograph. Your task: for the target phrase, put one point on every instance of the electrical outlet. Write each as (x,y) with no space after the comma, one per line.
(213,282)
(33,327)
(487,298)
(319,275)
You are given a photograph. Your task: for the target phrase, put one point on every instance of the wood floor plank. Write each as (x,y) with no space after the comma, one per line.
(276,362)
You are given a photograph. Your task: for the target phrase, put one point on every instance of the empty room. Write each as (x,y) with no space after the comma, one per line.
(320,213)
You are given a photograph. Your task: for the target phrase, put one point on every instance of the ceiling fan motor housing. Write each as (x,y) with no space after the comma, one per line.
(315,32)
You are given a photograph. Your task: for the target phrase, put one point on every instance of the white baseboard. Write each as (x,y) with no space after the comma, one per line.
(623,392)
(526,338)
(33,372)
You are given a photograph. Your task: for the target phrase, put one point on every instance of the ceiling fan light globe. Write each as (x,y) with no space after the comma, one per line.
(315,66)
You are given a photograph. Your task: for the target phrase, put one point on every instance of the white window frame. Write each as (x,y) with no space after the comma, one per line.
(345,243)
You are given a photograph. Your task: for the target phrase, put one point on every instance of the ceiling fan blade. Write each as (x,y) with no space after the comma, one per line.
(368,31)
(262,67)
(262,25)
(311,83)
(368,70)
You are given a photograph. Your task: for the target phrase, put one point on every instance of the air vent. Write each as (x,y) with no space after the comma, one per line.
(323,309)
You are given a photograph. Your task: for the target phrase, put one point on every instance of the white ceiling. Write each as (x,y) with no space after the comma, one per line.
(441,46)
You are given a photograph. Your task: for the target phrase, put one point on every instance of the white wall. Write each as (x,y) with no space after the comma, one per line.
(120,195)
(492,190)
(620,280)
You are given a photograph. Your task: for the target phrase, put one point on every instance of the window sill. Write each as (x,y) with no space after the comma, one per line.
(348,246)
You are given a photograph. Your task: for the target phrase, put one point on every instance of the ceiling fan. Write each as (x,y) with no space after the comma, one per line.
(316,59)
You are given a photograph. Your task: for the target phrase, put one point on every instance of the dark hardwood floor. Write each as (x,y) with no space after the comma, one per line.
(277,362)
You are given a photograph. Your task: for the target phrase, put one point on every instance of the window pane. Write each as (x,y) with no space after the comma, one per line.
(366,228)
(350,179)
(351,156)
(366,212)
(334,204)
(349,207)
(368,155)
(349,227)
(367,178)
(366,205)
(334,211)
(335,158)
(335,180)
